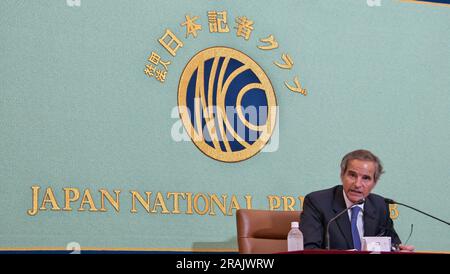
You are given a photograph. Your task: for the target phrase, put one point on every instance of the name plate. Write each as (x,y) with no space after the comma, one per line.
(376,244)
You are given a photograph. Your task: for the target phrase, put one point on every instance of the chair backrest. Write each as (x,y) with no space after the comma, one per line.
(264,231)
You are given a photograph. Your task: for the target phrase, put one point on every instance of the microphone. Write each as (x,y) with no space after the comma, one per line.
(337,216)
(390,201)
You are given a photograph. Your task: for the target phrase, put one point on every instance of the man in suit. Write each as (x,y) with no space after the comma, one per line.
(360,171)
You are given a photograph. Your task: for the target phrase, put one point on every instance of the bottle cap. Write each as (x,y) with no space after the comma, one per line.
(294,224)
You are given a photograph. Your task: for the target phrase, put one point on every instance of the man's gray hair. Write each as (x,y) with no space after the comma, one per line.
(363,155)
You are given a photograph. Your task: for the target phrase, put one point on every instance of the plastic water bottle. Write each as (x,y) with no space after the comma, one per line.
(295,238)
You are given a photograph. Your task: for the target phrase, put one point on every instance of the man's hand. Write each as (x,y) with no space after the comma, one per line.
(406,248)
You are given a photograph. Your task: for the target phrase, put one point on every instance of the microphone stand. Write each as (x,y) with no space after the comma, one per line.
(337,216)
(390,201)
(332,220)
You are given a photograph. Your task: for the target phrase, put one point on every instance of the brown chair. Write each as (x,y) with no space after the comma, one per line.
(263,231)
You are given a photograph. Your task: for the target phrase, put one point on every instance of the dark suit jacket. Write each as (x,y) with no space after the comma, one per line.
(321,206)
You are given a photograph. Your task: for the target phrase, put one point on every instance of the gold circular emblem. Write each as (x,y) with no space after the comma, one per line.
(227,104)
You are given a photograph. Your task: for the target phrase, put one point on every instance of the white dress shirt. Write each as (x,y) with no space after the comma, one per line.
(359,220)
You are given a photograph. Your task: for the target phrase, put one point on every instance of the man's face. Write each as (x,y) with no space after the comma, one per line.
(359,179)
